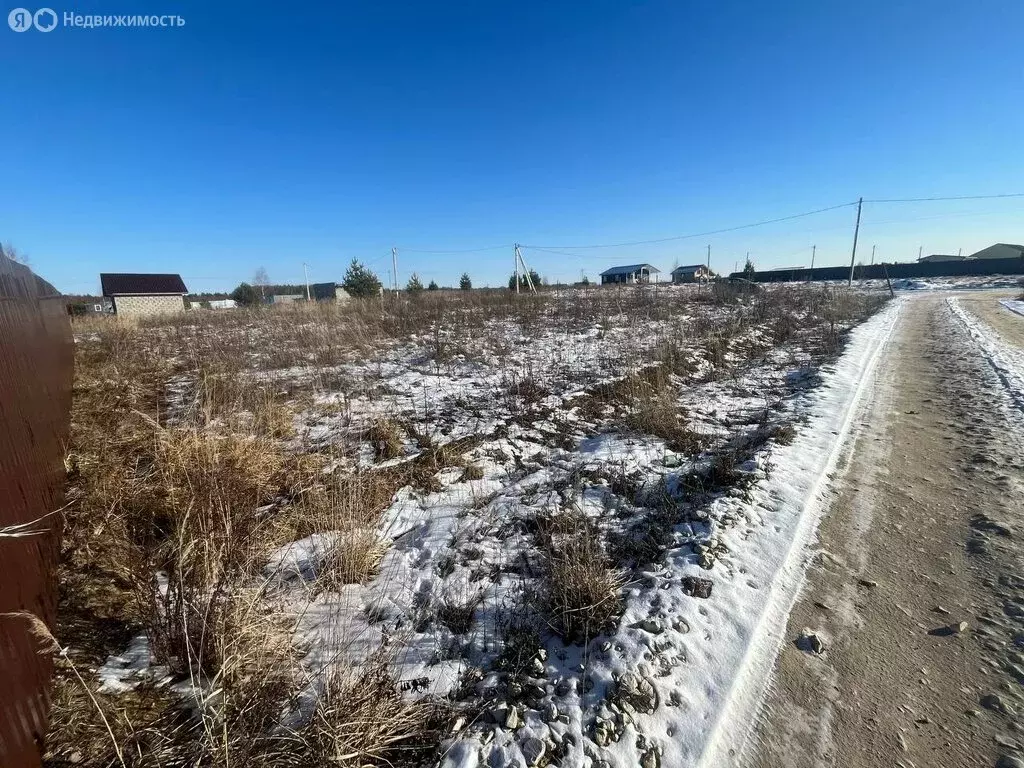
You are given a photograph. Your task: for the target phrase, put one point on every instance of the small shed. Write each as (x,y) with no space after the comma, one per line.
(630,273)
(139,294)
(329,292)
(287,298)
(692,273)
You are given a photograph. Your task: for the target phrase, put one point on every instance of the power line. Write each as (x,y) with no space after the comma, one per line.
(566,253)
(700,234)
(456,250)
(932,199)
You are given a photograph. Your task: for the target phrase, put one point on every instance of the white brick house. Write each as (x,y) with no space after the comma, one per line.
(134,295)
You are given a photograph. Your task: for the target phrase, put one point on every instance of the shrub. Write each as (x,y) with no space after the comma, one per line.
(582,593)
(362,719)
(386,439)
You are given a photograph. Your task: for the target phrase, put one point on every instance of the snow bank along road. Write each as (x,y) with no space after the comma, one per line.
(916,596)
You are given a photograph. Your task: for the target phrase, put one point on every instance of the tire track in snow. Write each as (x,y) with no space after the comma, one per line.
(795,494)
(1006,361)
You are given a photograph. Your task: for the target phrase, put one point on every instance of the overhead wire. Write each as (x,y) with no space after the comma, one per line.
(673,238)
(934,199)
(455,250)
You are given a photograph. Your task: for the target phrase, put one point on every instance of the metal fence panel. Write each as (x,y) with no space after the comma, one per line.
(36,364)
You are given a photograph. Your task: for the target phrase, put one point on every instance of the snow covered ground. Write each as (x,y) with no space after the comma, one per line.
(1014,305)
(690,436)
(964,283)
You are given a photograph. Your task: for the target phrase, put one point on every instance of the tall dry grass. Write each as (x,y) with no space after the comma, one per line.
(582,591)
(184,475)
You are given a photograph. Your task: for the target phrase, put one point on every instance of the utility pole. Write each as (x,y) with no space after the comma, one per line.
(873,253)
(526,271)
(709,257)
(919,249)
(394,268)
(814,251)
(856,231)
(958,252)
(516,259)
(305,270)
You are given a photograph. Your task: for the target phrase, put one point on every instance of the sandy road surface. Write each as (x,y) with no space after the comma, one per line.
(926,530)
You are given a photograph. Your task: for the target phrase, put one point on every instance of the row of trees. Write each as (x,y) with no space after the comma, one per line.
(359,281)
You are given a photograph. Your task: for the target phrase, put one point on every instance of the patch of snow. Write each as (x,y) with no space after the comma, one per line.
(753,601)
(1006,360)
(122,672)
(1014,305)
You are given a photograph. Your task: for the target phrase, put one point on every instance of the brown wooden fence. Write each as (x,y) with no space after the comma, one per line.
(36,363)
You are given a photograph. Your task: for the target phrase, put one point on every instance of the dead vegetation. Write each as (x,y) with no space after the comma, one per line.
(187,470)
(582,592)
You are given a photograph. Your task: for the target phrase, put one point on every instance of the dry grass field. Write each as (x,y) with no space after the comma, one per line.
(322,535)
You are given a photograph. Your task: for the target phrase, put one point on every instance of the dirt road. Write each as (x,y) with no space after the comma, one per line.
(925,532)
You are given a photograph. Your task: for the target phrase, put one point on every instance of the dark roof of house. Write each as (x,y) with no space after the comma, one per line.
(689,268)
(123,283)
(628,269)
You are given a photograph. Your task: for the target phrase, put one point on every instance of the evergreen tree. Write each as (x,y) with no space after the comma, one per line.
(360,282)
(523,284)
(464,282)
(415,285)
(245,295)
(433,286)
(749,270)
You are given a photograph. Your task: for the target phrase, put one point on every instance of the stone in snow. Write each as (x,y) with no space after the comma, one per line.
(650,625)
(533,750)
(650,759)
(809,641)
(697,587)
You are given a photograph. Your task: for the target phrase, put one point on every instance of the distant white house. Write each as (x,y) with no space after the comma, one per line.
(287,298)
(629,273)
(222,304)
(691,274)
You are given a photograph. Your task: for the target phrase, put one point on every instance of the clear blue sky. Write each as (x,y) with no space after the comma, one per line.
(268,135)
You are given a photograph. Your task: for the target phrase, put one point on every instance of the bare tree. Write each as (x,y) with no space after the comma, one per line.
(261,280)
(12,253)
